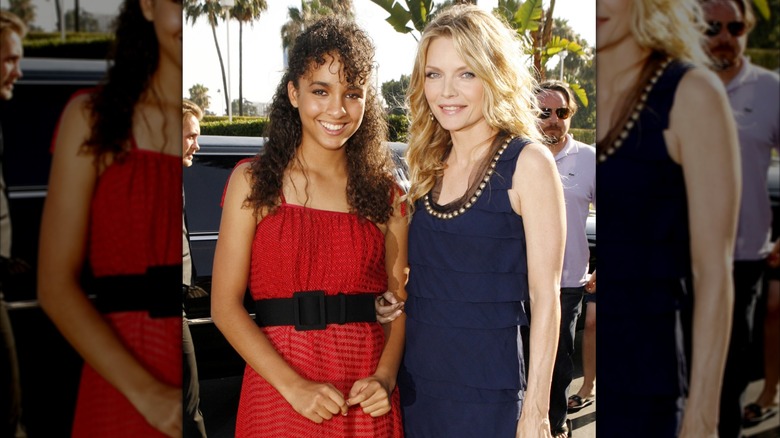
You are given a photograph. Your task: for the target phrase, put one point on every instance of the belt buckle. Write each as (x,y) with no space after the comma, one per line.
(319,295)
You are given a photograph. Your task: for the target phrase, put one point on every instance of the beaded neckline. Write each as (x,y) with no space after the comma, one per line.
(473,199)
(640,105)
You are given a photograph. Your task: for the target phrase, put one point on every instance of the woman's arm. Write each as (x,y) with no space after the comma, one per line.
(375,400)
(315,401)
(63,238)
(705,143)
(537,196)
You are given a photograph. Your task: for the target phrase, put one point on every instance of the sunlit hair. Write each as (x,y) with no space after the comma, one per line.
(369,165)
(669,29)
(564,89)
(10,22)
(135,56)
(744,6)
(674,28)
(189,107)
(493,52)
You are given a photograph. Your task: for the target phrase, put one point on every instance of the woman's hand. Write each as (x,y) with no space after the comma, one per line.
(372,394)
(316,401)
(533,426)
(161,408)
(388,307)
(590,286)
(773,259)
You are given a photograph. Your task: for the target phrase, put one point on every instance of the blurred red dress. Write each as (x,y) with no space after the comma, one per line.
(135,224)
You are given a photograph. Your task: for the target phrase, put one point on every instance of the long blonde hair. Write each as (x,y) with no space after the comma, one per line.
(674,28)
(494,53)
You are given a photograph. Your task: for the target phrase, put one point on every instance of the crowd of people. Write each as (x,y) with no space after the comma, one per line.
(447,310)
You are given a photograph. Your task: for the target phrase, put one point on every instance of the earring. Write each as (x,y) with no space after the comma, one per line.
(430,113)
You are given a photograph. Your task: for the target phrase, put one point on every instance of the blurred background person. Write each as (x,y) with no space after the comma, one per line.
(12,31)
(193,418)
(669,173)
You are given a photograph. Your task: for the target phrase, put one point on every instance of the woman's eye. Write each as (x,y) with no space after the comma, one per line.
(432,75)
(469,75)
(319,92)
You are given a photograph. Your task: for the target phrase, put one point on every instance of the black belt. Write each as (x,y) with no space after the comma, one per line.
(313,310)
(157,292)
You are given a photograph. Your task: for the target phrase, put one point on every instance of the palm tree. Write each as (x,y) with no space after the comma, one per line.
(245,11)
(311,10)
(213,12)
(419,12)
(525,16)
(199,94)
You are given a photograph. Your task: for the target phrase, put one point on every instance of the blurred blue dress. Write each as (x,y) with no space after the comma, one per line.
(644,280)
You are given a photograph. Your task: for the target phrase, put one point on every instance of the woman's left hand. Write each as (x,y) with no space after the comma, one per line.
(372,394)
(388,307)
(590,286)
(531,426)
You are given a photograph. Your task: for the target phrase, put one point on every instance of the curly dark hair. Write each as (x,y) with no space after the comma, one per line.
(135,57)
(370,183)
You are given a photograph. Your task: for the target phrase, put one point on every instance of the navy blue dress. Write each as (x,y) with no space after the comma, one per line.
(462,374)
(644,280)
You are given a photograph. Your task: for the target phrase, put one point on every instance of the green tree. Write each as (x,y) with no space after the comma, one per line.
(299,19)
(199,94)
(87,21)
(24,9)
(418,12)
(249,108)
(535,26)
(766,34)
(579,72)
(212,10)
(394,93)
(245,11)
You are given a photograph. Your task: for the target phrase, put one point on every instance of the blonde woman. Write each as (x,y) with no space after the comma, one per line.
(669,177)
(487,233)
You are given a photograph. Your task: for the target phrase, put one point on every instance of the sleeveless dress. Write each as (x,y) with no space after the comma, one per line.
(299,249)
(135,221)
(463,371)
(644,278)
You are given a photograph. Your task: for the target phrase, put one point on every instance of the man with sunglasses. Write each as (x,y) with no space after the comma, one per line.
(754,94)
(576,164)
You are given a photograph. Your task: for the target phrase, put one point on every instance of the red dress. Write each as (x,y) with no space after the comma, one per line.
(298,249)
(135,221)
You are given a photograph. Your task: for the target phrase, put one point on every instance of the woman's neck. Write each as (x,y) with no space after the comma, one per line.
(166,82)
(471,145)
(322,160)
(619,67)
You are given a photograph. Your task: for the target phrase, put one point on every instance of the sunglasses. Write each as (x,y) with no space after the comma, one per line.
(562,113)
(735,28)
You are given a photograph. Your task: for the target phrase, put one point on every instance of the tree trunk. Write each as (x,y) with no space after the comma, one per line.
(60,24)
(240,68)
(222,66)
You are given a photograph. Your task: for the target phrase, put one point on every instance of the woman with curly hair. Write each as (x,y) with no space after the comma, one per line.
(114,210)
(668,174)
(315,227)
(487,234)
